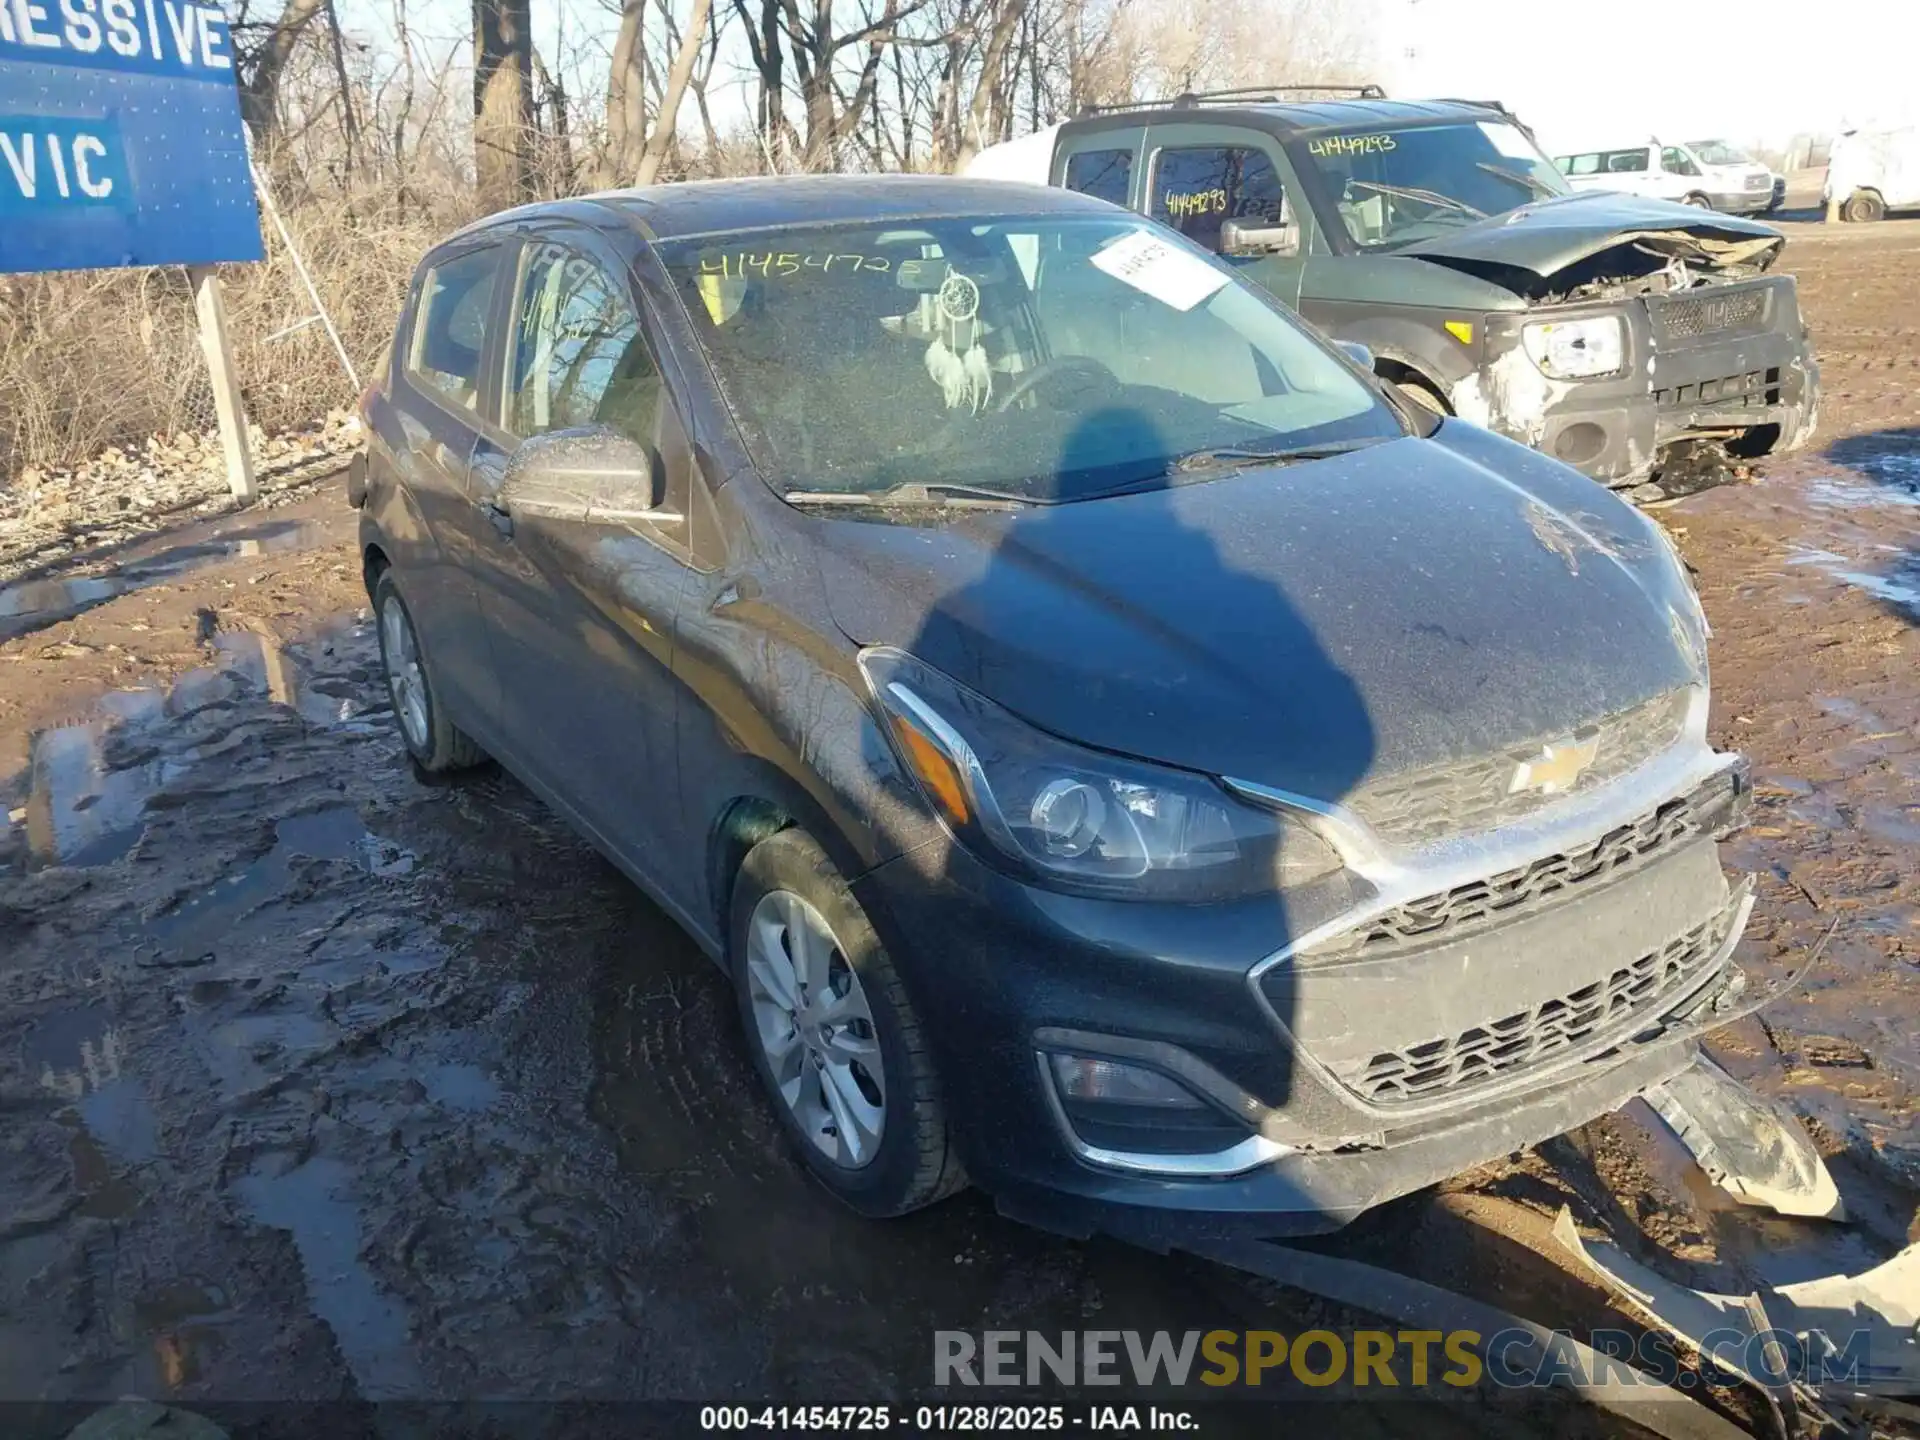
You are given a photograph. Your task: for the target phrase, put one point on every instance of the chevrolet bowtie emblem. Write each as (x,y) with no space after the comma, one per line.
(1556,768)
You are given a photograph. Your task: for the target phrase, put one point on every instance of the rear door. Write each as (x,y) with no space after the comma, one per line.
(440,395)
(583,616)
(1199,176)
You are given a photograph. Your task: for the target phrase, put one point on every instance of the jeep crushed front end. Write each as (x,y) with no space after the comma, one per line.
(1713,356)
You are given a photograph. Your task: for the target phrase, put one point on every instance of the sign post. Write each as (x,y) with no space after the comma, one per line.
(121,145)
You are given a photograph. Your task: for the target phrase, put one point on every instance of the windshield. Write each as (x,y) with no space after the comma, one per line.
(1718,152)
(1047,358)
(1393,186)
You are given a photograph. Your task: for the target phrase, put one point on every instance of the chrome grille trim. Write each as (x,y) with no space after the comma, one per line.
(1511,894)
(1461,797)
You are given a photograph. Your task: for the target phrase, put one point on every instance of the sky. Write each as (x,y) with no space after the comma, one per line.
(1582,73)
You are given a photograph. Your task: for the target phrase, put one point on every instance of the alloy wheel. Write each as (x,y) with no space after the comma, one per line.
(815,1027)
(405,680)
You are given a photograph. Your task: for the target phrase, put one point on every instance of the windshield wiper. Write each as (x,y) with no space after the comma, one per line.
(1425,197)
(1531,183)
(1235,457)
(914,492)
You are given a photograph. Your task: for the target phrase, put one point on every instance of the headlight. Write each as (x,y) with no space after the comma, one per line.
(1077,819)
(1578,349)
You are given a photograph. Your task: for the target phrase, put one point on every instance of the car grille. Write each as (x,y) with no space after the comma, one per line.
(1452,1064)
(1511,893)
(1753,390)
(1759,182)
(1688,317)
(1466,796)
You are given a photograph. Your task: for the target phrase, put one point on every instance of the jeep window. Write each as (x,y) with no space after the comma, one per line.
(1040,358)
(1196,189)
(1103,174)
(450,331)
(1397,185)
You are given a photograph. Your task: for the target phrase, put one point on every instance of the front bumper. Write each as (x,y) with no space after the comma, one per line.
(1731,363)
(1004,971)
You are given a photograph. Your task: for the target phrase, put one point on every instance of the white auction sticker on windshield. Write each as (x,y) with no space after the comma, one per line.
(1154,267)
(1508,140)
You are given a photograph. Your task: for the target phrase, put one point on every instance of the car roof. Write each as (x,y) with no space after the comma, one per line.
(1304,117)
(706,207)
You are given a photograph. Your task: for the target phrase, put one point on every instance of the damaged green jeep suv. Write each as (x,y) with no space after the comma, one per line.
(1623,335)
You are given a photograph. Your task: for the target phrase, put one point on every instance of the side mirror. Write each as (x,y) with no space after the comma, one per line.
(1359,354)
(1238,237)
(590,476)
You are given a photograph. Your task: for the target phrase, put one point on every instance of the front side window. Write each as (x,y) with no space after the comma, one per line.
(1048,358)
(1197,189)
(1396,186)
(1103,174)
(579,358)
(1675,161)
(450,329)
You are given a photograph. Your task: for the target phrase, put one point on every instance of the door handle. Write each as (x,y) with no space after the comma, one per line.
(499,517)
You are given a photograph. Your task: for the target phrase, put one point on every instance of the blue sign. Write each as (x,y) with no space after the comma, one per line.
(120,137)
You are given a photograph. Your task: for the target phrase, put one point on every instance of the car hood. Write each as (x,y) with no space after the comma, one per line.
(1550,236)
(1310,627)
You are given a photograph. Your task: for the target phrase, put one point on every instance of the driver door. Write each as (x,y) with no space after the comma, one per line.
(1201,176)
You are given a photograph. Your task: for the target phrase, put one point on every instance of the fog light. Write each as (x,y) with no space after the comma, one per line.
(1112,1082)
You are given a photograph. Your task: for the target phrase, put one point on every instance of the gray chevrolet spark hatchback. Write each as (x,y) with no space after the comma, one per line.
(1116,753)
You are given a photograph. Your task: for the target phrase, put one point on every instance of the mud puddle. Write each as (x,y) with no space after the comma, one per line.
(30,605)
(322,1081)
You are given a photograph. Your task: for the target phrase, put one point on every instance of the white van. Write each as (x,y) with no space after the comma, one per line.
(1874,171)
(1671,171)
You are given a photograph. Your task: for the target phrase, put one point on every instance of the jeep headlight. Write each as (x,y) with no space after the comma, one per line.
(1578,349)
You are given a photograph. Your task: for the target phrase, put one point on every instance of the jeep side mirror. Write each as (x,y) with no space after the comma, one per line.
(1359,354)
(1237,237)
(593,475)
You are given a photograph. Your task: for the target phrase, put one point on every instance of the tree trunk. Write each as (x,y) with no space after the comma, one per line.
(503,101)
(981,115)
(260,90)
(627,95)
(677,78)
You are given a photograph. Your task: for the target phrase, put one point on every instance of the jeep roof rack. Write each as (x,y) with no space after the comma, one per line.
(1256,94)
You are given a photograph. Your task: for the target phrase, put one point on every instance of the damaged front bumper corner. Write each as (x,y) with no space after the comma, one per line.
(1726,364)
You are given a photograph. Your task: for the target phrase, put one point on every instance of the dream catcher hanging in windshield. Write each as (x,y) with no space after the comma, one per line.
(956,360)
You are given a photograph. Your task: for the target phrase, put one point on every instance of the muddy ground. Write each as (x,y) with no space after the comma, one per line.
(318,1083)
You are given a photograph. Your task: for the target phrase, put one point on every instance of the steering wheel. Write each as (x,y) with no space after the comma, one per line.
(1093,372)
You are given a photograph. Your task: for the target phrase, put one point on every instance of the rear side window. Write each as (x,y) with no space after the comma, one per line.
(1104,174)
(1624,162)
(578,355)
(450,330)
(1196,189)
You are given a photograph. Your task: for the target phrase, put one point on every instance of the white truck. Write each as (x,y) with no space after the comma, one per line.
(1874,171)
(1672,170)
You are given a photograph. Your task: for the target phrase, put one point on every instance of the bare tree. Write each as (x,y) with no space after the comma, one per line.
(266,62)
(503,101)
(677,79)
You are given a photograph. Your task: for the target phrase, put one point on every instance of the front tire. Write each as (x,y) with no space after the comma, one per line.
(834,1035)
(1698,201)
(435,743)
